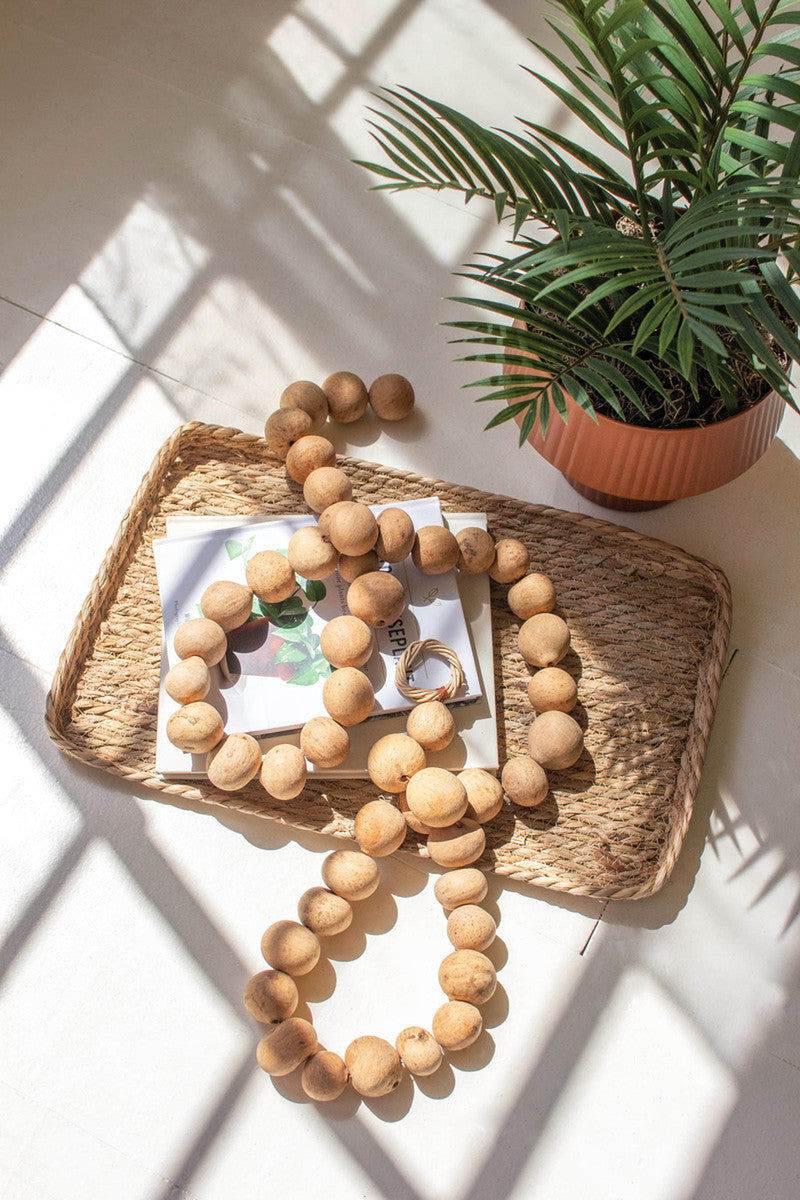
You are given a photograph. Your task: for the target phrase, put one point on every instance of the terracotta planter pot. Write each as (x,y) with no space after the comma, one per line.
(631,467)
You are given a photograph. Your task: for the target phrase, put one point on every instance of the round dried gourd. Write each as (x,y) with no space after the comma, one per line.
(468,975)
(379,828)
(467,886)
(234,762)
(471,928)
(457,845)
(544,640)
(201,637)
(378,598)
(307,454)
(511,560)
(283,1049)
(350,874)
(310,398)
(484,794)
(189,680)
(457,1025)
(229,604)
(284,427)
(374,1066)
(271,996)
(347,641)
(324,742)
(353,530)
(326,516)
(326,486)
(475,550)
(555,740)
(352,566)
(435,550)
(324,1076)
(348,696)
(323,912)
(271,577)
(436,797)
(393,760)
(419,1051)
(531,595)
(431,724)
(283,772)
(310,555)
(289,947)
(395,535)
(524,781)
(391,397)
(347,396)
(411,821)
(552,688)
(195,728)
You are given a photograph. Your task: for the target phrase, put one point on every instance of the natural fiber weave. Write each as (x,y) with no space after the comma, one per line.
(413,654)
(649,628)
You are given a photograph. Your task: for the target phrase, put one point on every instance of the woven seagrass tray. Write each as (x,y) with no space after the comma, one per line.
(649,630)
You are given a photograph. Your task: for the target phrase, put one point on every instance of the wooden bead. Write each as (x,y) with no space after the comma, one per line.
(476,550)
(229,604)
(347,396)
(431,724)
(188,681)
(290,947)
(347,642)
(202,637)
(457,1025)
(324,742)
(310,555)
(310,398)
(458,845)
(467,886)
(377,598)
(284,427)
(324,1076)
(271,996)
(531,595)
(544,640)
(325,486)
(471,928)
(350,874)
(352,566)
(284,772)
(287,1045)
(348,696)
(271,577)
(436,797)
(195,728)
(323,912)
(468,975)
(353,530)
(379,828)
(551,689)
(411,821)
(391,397)
(234,762)
(524,781)
(393,760)
(555,740)
(435,550)
(395,535)
(419,1051)
(484,794)
(374,1066)
(511,560)
(307,454)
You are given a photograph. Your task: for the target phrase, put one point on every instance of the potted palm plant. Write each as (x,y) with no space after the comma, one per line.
(642,324)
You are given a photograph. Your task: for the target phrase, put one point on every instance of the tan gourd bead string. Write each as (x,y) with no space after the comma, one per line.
(372,1065)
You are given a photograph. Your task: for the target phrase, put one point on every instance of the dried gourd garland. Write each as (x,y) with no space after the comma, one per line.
(448,809)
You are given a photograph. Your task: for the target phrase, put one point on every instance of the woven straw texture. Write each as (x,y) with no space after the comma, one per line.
(649,630)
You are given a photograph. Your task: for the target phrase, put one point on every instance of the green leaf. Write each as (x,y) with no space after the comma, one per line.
(290,652)
(233,548)
(315,590)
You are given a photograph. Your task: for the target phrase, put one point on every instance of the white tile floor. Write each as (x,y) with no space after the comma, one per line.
(183,233)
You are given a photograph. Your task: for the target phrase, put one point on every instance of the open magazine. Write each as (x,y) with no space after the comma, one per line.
(276,668)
